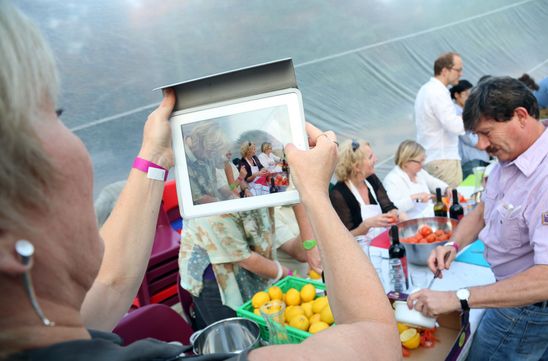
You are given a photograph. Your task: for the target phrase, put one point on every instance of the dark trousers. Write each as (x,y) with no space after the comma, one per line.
(209,306)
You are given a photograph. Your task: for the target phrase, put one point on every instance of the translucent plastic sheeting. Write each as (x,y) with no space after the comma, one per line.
(359,63)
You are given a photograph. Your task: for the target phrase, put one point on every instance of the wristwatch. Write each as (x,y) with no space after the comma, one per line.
(463,295)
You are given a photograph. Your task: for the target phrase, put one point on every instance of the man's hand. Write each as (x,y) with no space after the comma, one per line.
(441,259)
(433,303)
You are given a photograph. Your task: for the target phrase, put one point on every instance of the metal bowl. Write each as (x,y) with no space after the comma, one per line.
(232,335)
(418,253)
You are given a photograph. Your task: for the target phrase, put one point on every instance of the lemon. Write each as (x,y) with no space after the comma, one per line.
(259,299)
(318,304)
(257,312)
(317,327)
(271,307)
(308,292)
(314,275)
(292,297)
(275,293)
(326,315)
(307,308)
(402,327)
(410,339)
(300,322)
(314,318)
(292,311)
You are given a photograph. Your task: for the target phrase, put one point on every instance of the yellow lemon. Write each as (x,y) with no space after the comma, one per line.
(292,297)
(300,322)
(317,327)
(315,318)
(318,304)
(275,293)
(307,308)
(410,338)
(257,312)
(308,293)
(326,315)
(402,327)
(314,275)
(271,307)
(292,311)
(259,299)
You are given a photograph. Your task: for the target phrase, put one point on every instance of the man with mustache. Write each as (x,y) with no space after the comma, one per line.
(512,221)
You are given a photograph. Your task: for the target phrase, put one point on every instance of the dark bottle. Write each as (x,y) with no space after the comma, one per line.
(456,211)
(440,209)
(273,188)
(397,251)
(285,166)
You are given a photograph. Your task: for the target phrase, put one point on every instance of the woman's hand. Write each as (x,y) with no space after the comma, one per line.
(156,146)
(421,197)
(382,220)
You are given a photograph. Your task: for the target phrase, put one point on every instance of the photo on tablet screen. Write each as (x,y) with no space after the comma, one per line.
(230,157)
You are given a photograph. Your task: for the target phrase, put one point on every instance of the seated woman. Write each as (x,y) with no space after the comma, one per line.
(268,159)
(408,185)
(359,197)
(256,173)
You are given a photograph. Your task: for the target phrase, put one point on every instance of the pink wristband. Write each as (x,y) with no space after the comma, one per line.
(290,273)
(454,245)
(153,170)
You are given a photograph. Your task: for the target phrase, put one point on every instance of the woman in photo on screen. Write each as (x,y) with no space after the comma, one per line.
(256,174)
(268,159)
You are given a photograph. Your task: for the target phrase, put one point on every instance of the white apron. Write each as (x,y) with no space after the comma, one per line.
(367,210)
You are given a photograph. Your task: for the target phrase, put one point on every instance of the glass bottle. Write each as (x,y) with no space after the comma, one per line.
(273,314)
(397,251)
(456,211)
(440,209)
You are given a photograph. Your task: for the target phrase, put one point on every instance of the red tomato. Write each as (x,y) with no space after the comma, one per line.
(405,352)
(431,238)
(425,231)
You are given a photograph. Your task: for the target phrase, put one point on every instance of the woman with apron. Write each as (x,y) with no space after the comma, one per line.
(359,197)
(255,172)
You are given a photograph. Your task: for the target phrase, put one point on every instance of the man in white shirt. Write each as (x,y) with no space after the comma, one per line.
(438,126)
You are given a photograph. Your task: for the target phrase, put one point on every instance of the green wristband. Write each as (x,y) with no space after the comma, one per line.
(309,244)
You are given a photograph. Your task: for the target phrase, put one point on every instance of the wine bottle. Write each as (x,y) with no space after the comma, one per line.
(285,166)
(397,251)
(273,188)
(456,211)
(440,209)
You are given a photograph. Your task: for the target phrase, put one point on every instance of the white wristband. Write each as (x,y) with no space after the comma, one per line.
(280,272)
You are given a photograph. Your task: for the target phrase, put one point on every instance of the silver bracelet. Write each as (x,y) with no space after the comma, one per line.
(280,272)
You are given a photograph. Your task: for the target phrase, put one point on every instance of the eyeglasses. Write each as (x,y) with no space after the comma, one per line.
(355,145)
(458,70)
(59,112)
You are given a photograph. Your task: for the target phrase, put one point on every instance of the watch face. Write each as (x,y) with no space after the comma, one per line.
(463,294)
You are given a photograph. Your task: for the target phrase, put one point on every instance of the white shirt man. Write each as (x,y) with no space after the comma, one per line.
(438,126)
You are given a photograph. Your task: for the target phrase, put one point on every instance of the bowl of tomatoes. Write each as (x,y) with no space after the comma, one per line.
(421,236)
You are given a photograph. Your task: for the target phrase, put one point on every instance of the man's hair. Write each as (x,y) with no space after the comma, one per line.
(28,84)
(463,85)
(529,82)
(408,150)
(445,60)
(496,99)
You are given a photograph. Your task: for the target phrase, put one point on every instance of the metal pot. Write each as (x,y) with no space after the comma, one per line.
(229,336)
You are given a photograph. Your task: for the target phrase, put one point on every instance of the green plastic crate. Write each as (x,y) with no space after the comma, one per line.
(295,335)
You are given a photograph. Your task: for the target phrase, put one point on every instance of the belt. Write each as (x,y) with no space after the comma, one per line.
(540,304)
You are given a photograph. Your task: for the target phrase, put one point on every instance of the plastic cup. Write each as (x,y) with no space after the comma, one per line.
(273,314)
(419,279)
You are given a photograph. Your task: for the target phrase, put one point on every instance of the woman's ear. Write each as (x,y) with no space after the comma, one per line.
(10,260)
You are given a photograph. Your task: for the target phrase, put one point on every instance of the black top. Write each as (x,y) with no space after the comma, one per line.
(348,207)
(245,164)
(108,346)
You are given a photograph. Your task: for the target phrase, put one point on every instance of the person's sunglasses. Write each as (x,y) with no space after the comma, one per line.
(59,112)
(355,145)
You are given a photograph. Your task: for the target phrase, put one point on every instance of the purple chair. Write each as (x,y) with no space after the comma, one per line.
(156,321)
(160,281)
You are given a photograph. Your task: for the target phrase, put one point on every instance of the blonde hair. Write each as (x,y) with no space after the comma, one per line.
(244,148)
(348,158)
(408,150)
(28,86)
(208,139)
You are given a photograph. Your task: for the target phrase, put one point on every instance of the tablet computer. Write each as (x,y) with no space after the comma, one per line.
(217,149)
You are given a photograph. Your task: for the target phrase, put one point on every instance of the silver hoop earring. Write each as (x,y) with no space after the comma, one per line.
(25,250)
